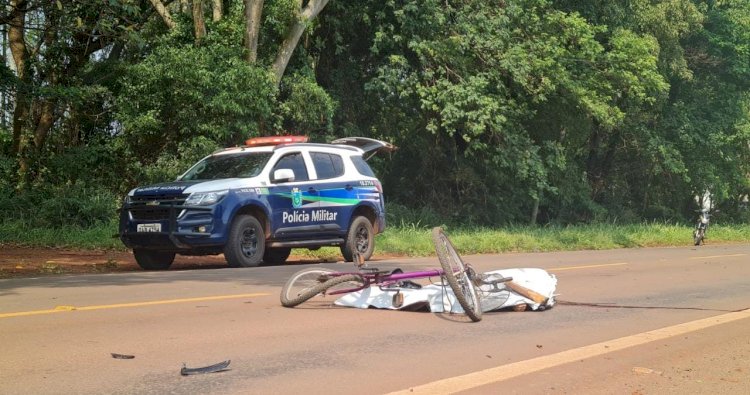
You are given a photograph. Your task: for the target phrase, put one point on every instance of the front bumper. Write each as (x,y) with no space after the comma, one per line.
(182,228)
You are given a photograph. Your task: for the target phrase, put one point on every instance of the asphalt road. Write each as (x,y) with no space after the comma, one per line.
(633,321)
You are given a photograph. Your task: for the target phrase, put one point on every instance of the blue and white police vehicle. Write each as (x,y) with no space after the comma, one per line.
(256,202)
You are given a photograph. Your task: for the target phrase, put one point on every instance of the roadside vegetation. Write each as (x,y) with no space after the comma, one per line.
(522,125)
(414,240)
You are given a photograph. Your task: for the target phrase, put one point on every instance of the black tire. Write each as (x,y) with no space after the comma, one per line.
(153,260)
(246,243)
(458,275)
(360,239)
(275,256)
(307,283)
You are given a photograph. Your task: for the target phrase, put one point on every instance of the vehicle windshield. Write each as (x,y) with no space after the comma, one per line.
(236,165)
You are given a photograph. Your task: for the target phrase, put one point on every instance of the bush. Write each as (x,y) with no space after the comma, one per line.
(398,215)
(54,207)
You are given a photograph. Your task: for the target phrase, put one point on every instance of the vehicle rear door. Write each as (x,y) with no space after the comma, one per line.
(366,144)
(336,193)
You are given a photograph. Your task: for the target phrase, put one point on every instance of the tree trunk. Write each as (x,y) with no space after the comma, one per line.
(253,11)
(19,51)
(43,126)
(218,11)
(199,22)
(291,40)
(534,212)
(164,13)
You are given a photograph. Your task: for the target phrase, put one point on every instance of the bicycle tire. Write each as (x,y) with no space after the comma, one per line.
(697,237)
(307,283)
(457,275)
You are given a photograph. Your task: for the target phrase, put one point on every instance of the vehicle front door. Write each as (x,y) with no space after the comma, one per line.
(292,200)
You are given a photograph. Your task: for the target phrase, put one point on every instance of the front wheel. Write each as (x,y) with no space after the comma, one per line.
(359,240)
(153,260)
(246,243)
(308,283)
(458,275)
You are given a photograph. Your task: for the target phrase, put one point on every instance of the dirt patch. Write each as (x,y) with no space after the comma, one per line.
(16,262)
(30,262)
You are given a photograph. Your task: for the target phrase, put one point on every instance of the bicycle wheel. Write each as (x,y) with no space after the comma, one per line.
(698,237)
(458,275)
(307,283)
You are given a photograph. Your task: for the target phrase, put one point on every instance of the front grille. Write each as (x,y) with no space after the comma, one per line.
(145,207)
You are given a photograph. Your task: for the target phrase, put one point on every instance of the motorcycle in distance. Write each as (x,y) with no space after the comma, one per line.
(701,227)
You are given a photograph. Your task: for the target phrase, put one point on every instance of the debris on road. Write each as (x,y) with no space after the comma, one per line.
(122,356)
(219,367)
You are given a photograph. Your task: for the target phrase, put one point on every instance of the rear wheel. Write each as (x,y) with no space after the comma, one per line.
(458,275)
(274,256)
(698,236)
(308,283)
(246,243)
(153,260)
(359,240)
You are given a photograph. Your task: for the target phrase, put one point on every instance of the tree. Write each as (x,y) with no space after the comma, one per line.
(51,44)
(304,13)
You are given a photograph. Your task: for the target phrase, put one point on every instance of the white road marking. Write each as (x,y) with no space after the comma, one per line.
(716,256)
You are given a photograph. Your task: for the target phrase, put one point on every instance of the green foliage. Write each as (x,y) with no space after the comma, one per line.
(185,91)
(57,207)
(415,240)
(484,77)
(305,106)
(400,216)
(168,166)
(579,111)
(98,236)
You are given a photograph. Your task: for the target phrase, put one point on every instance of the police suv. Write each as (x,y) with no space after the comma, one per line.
(256,202)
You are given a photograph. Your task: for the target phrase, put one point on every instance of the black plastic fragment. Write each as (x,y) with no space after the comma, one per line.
(221,366)
(122,356)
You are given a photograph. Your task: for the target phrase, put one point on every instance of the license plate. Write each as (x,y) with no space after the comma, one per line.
(149,228)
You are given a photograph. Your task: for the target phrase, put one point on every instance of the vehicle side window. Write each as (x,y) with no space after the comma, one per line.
(362,166)
(295,162)
(327,165)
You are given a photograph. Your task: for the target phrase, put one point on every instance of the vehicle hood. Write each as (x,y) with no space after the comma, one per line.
(177,188)
(165,189)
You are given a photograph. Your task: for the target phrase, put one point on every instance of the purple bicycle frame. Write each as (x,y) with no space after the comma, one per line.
(382,278)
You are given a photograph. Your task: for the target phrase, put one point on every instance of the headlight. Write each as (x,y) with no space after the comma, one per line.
(204,198)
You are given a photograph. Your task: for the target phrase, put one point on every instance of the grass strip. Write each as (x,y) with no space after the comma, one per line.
(416,241)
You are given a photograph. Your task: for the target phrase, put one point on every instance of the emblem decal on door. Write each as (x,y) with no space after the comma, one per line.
(296,198)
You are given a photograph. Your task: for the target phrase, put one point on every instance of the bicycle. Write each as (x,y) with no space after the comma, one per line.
(460,277)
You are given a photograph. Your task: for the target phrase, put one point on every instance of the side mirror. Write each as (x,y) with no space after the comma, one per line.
(283,175)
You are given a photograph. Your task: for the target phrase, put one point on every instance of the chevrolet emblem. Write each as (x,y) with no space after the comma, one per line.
(152,203)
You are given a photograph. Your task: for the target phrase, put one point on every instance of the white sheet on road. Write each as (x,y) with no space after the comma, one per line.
(440,298)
